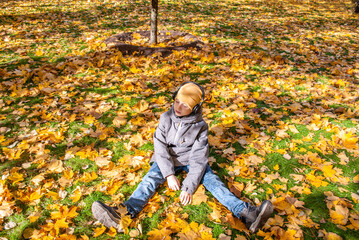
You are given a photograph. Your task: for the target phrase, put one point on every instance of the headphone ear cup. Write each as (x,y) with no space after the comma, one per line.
(174,95)
(195,109)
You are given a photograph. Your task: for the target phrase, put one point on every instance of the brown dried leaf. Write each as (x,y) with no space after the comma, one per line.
(199,196)
(102,161)
(55,166)
(236,188)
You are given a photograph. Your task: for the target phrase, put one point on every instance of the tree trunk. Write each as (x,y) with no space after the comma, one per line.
(154,13)
(356,6)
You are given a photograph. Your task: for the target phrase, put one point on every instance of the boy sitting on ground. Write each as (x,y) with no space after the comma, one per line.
(181,144)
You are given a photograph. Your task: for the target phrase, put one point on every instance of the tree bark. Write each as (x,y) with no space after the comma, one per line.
(356,6)
(154,14)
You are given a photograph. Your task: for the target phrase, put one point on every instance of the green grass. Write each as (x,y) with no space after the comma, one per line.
(287,69)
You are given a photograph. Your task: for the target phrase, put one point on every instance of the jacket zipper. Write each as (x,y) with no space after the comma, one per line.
(177,135)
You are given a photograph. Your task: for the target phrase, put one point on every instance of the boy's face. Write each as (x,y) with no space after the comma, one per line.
(181,109)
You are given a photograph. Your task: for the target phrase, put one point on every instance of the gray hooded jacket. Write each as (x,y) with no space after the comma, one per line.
(181,141)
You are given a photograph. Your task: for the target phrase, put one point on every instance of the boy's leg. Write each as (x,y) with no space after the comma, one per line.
(110,216)
(145,190)
(214,184)
(253,217)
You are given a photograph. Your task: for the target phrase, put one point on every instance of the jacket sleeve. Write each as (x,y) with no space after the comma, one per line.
(162,156)
(198,161)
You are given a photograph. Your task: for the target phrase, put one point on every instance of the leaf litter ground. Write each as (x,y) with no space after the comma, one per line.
(77,118)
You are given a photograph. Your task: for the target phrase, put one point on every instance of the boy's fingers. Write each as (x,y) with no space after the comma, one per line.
(184,201)
(173,183)
(185,198)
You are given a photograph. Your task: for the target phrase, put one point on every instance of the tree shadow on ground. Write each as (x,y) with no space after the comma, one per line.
(122,42)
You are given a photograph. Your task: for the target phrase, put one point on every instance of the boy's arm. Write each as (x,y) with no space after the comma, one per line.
(198,162)
(162,156)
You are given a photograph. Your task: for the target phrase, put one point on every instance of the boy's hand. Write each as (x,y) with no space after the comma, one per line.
(173,183)
(185,198)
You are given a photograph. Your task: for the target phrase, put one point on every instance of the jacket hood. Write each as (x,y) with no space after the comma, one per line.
(192,118)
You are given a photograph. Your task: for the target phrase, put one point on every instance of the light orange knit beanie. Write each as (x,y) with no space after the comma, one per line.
(190,94)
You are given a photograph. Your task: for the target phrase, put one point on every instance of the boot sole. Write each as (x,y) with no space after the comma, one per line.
(262,218)
(104,216)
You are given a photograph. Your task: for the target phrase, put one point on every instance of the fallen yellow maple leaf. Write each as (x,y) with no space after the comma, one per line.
(339,215)
(141,106)
(316,181)
(12,154)
(125,223)
(52,194)
(98,231)
(89,119)
(163,234)
(88,177)
(65,213)
(76,195)
(60,223)
(15,177)
(112,232)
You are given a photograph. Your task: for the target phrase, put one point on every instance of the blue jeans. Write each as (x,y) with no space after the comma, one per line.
(147,188)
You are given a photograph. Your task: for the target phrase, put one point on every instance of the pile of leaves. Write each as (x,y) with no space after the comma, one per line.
(77,118)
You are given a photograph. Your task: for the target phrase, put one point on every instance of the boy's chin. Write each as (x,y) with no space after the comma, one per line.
(181,115)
